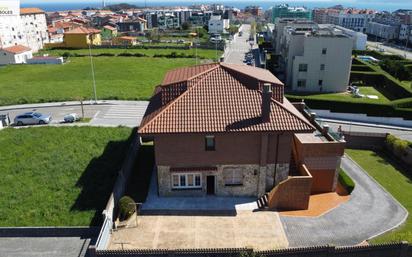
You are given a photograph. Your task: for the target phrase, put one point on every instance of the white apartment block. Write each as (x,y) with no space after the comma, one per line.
(34,26)
(383,31)
(27,28)
(359,39)
(353,21)
(317,60)
(405,33)
(279,30)
(217,25)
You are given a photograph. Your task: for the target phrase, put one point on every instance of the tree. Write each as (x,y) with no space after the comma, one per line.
(186,25)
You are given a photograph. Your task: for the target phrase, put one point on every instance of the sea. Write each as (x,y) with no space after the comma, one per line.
(378,5)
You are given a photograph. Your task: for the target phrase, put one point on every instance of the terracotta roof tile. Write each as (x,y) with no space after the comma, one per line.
(30,10)
(83,30)
(218,102)
(17,49)
(185,73)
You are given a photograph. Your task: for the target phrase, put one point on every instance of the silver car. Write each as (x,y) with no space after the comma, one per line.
(31,118)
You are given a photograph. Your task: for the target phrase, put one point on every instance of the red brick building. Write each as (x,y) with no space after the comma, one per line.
(228,130)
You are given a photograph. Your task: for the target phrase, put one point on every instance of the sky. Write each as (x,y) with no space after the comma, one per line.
(223,1)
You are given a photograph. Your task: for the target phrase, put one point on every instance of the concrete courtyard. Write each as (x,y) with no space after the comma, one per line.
(258,230)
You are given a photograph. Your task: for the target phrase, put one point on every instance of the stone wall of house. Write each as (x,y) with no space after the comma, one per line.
(256,180)
(282,172)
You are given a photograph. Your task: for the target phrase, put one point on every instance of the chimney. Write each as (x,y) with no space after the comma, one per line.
(266,99)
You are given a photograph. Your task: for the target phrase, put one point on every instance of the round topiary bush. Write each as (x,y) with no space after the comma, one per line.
(126,207)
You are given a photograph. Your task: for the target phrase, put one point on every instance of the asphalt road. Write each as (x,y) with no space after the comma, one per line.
(389,49)
(404,133)
(236,49)
(370,211)
(107,113)
(43,246)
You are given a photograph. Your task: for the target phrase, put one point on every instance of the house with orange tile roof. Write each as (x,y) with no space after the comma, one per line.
(15,54)
(82,37)
(227,130)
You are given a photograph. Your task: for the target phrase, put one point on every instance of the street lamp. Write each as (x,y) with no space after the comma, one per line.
(92,67)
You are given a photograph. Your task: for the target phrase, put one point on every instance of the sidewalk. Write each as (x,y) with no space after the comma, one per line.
(68,103)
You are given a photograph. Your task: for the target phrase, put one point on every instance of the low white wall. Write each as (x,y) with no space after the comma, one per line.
(359,117)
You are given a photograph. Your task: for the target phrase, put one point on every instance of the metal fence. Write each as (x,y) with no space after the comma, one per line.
(402,249)
(119,188)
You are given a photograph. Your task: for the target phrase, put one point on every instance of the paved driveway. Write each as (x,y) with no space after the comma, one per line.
(260,230)
(369,212)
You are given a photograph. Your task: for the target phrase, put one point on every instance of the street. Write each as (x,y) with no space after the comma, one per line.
(106,113)
(377,45)
(239,46)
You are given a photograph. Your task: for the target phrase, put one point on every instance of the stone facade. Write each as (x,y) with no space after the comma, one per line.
(282,172)
(256,180)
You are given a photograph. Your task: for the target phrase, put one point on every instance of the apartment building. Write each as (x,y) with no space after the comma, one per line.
(382,30)
(26,26)
(168,21)
(359,39)
(286,11)
(34,26)
(405,33)
(278,32)
(350,18)
(217,25)
(315,59)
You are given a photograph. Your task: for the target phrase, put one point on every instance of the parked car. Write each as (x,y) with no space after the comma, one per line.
(72,117)
(31,118)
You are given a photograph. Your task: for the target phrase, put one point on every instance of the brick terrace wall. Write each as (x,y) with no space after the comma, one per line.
(293,193)
(402,249)
(364,140)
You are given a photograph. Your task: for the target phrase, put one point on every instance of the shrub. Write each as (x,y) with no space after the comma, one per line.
(66,54)
(397,145)
(125,54)
(106,54)
(346,181)
(126,207)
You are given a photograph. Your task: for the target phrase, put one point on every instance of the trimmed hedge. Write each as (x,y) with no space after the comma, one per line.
(379,110)
(357,67)
(397,145)
(346,181)
(377,55)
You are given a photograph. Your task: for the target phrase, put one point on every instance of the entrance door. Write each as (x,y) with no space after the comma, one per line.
(210,185)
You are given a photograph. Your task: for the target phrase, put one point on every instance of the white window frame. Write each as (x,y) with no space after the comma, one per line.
(186,176)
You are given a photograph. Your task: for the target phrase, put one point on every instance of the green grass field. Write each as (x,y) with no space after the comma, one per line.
(202,53)
(393,178)
(58,176)
(127,78)
(347,97)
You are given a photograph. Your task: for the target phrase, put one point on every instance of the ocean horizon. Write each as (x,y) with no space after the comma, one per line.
(61,6)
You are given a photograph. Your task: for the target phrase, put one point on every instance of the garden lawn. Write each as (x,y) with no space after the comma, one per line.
(202,53)
(126,78)
(58,176)
(347,97)
(395,179)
